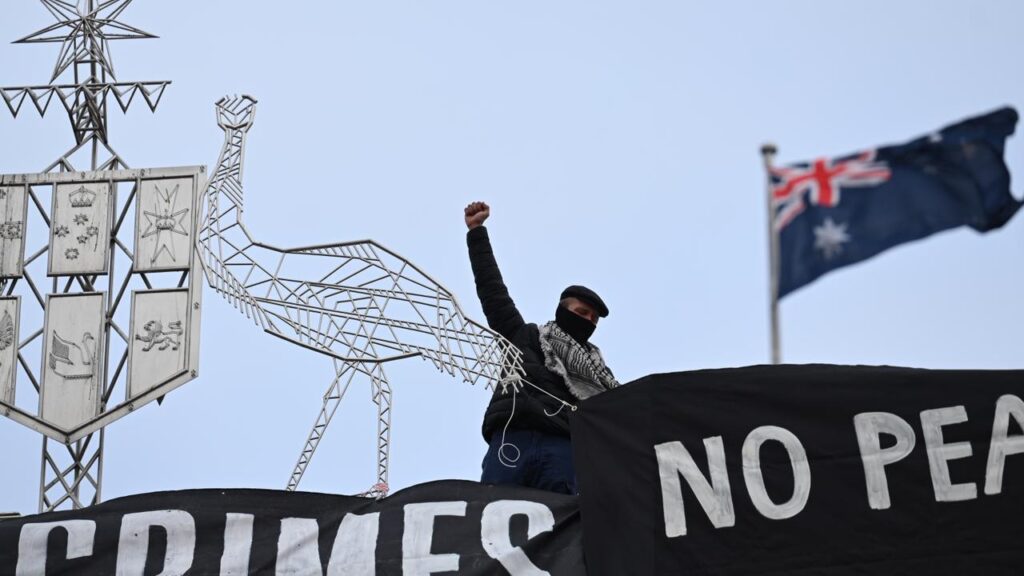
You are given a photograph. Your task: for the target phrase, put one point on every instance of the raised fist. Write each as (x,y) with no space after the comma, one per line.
(476,213)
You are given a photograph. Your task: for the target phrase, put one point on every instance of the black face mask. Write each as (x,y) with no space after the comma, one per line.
(574,325)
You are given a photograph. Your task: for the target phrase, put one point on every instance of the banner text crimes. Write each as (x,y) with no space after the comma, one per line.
(441,527)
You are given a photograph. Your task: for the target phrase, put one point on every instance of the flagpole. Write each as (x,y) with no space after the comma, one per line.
(768,151)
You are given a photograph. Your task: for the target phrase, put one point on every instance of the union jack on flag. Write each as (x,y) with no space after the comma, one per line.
(830,213)
(821,182)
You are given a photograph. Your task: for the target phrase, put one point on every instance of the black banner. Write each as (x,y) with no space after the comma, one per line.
(448,527)
(805,470)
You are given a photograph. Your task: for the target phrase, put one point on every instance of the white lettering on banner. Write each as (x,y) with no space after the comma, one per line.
(33,539)
(1002,445)
(353,553)
(754,476)
(133,544)
(418,535)
(355,547)
(237,544)
(939,453)
(715,497)
(298,548)
(495,533)
(870,426)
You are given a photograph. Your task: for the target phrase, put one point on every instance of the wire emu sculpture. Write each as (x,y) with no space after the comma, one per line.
(357,303)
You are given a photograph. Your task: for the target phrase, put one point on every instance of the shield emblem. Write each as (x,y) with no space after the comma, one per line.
(101,294)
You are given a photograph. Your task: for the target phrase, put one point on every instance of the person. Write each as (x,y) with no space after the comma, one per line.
(528,431)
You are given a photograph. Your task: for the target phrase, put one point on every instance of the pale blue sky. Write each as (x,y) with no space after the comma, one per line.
(618,145)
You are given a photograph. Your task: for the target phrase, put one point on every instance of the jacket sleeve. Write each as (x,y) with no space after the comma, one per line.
(502,315)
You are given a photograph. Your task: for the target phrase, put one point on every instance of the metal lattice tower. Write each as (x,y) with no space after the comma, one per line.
(357,303)
(71,474)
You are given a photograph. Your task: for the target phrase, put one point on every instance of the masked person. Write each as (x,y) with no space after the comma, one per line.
(528,431)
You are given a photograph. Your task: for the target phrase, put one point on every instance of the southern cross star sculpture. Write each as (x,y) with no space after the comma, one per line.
(357,303)
(78,25)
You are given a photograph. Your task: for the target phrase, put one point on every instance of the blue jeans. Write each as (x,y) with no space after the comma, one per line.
(544,461)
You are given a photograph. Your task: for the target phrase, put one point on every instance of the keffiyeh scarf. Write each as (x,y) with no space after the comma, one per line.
(583,369)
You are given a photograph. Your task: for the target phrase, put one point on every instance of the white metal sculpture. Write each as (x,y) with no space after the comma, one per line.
(14,203)
(93,279)
(72,374)
(82,216)
(159,324)
(9,324)
(357,303)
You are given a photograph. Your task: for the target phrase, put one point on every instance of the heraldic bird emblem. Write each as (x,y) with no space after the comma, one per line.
(356,303)
(71,361)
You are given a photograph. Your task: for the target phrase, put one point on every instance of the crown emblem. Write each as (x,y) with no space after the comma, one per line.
(165,222)
(82,198)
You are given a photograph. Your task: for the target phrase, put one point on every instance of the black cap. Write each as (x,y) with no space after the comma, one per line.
(587,295)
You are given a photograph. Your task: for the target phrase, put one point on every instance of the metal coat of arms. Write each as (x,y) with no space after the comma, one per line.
(99,312)
(100,278)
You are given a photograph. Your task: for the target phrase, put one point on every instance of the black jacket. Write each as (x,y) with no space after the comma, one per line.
(504,318)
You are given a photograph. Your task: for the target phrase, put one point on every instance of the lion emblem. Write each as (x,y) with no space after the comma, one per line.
(156,334)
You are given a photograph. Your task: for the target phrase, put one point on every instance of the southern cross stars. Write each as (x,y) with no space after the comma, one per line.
(83,29)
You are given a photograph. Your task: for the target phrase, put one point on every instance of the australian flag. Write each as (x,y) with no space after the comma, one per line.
(833,212)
